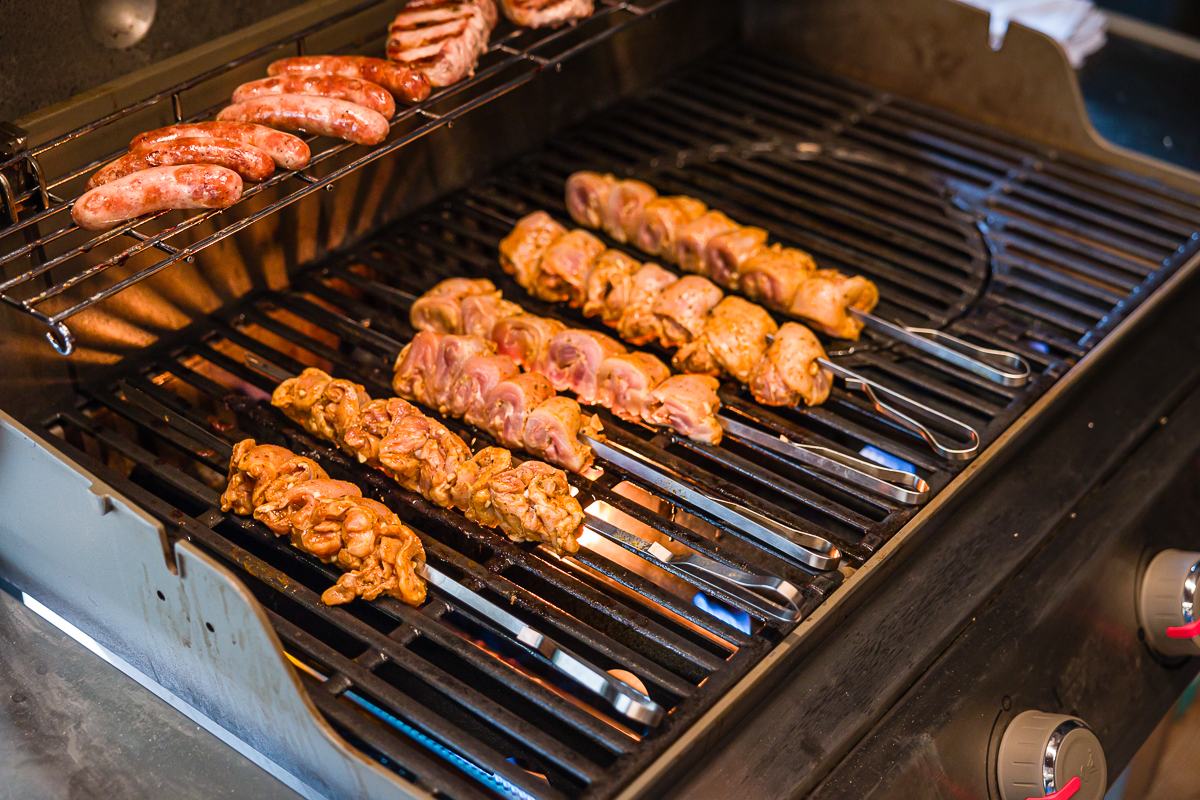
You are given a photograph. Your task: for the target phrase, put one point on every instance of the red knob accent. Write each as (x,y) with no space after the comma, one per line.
(1185,631)
(1067,791)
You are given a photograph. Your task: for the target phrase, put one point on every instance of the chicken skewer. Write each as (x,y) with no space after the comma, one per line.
(767,595)
(529,502)
(329,519)
(477,307)
(599,369)
(381,555)
(713,333)
(681,230)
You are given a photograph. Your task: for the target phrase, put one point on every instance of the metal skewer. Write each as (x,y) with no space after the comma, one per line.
(905,487)
(627,700)
(807,548)
(768,595)
(998,366)
(873,391)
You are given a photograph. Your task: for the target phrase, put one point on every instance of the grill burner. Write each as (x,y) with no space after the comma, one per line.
(919,201)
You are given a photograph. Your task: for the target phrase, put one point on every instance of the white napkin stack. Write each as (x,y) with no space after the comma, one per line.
(1075,24)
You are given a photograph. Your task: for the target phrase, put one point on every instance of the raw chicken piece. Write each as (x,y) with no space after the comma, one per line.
(510,403)
(773,274)
(259,473)
(478,378)
(689,404)
(453,353)
(470,491)
(694,358)
(682,309)
(300,506)
(525,338)
(639,325)
(726,252)
(416,367)
(439,309)
(825,300)
(623,208)
(573,361)
(587,193)
(625,383)
(534,504)
(789,371)
(609,286)
(562,274)
(661,220)
(692,238)
(552,433)
(737,335)
(522,249)
(481,313)
(546,13)
(441,39)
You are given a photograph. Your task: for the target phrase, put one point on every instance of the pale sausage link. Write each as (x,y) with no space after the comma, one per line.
(286,150)
(364,93)
(157,189)
(320,115)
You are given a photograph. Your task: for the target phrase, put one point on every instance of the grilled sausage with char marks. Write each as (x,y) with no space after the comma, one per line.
(320,115)
(286,150)
(404,83)
(157,189)
(248,162)
(364,93)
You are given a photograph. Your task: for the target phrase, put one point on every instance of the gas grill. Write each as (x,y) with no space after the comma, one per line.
(177,329)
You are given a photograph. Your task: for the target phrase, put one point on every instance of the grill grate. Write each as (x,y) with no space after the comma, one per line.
(920,201)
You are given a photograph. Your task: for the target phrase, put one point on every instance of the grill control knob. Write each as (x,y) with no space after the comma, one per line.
(1050,755)
(1167,609)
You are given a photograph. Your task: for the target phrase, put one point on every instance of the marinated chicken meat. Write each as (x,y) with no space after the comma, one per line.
(692,239)
(659,222)
(689,404)
(546,13)
(481,313)
(508,405)
(416,367)
(440,309)
(639,324)
(733,256)
(625,383)
(328,519)
(552,432)
(737,334)
(587,193)
(726,252)
(573,361)
(468,396)
(472,491)
(609,286)
(620,213)
(525,338)
(418,452)
(789,372)
(533,498)
(453,353)
(825,300)
(260,472)
(773,275)
(682,309)
(442,39)
(563,272)
(521,251)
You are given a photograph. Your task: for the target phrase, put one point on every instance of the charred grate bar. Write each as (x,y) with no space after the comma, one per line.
(988,236)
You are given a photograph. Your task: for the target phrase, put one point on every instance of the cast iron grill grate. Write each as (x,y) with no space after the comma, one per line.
(921,201)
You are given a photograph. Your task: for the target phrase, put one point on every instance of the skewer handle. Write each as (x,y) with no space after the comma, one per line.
(998,366)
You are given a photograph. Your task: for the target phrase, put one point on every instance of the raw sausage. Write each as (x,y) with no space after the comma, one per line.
(365,93)
(157,189)
(287,151)
(406,84)
(321,115)
(249,162)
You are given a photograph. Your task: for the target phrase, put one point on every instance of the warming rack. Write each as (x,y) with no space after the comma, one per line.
(527,52)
